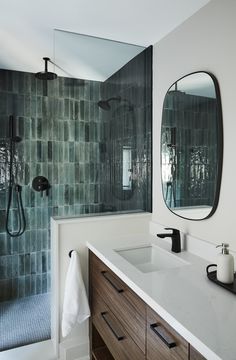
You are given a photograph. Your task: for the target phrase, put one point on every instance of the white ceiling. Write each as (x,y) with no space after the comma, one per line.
(27,26)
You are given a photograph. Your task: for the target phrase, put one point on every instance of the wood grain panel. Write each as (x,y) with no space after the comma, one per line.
(125,304)
(125,349)
(156,347)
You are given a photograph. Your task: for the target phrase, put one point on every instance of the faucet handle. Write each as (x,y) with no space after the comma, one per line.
(175,231)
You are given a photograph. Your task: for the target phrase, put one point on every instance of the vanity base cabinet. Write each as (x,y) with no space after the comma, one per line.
(124,327)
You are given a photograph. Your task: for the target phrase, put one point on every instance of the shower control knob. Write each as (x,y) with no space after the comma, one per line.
(41,184)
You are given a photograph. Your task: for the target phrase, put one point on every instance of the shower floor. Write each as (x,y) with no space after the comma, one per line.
(25,321)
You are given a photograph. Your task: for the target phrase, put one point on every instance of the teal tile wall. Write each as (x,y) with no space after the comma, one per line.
(130,124)
(61,128)
(68,139)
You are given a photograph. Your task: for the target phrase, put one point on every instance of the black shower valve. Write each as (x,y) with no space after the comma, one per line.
(41,184)
(18,188)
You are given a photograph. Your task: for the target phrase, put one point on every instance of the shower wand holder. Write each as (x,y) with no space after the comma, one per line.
(41,184)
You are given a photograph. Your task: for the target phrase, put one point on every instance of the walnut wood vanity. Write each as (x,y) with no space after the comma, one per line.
(124,327)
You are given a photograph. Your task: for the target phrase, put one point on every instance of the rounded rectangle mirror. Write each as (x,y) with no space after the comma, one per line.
(192,146)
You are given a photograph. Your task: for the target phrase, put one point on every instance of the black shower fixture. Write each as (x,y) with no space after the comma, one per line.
(46,75)
(14,190)
(104,104)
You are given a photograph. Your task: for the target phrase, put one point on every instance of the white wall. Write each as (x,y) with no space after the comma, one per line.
(206,41)
(68,234)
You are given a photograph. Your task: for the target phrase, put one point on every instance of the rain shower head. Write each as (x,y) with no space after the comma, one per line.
(104,104)
(46,75)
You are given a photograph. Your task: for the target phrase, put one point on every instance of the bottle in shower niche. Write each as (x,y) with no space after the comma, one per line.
(225,265)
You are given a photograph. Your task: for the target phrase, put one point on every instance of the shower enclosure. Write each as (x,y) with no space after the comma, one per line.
(91,141)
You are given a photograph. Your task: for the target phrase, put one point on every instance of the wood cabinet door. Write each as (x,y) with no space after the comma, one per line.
(114,335)
(163,342)
(124,303)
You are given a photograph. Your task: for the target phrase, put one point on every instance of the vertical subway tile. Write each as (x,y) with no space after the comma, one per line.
(71,152)
(21,286)
(38,284)
(44,282)
(44,261)
(3,267)
(33,263)
(33,285)
(38,262)
(27,264)
(81,106)
(61,127)
(27,286)
(22,264)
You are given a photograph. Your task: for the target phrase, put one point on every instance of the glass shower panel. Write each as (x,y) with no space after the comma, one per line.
(108,110)
(78,144)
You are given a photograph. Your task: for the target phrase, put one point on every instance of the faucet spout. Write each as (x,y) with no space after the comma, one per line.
(164,235)
(175,237)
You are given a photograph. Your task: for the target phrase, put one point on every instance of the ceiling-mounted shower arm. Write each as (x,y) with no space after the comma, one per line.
(46,75)
(117,98)
(46,59)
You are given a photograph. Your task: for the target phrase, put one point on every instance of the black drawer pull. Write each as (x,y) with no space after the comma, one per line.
(112,281)
(112,326)
(163,335)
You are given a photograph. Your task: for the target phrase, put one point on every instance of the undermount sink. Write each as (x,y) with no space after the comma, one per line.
(149,258)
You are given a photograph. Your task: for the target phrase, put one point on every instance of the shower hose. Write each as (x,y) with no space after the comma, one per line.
(14,189)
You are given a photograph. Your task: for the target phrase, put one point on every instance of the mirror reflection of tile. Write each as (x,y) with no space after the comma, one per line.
(190,160)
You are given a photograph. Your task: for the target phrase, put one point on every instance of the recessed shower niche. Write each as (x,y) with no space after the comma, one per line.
(96,159)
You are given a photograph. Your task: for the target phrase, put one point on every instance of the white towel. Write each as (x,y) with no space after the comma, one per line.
(75,306)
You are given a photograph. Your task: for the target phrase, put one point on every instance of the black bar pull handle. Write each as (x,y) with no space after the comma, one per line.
(113,327)
(112,281)
(163,335)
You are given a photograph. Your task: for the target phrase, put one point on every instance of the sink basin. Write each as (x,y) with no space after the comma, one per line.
(151,258)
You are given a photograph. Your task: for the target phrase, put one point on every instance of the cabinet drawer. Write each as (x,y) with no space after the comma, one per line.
(163,342)
(194,354)
(125,304)
(116,338)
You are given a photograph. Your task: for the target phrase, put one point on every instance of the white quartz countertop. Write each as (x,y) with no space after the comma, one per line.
(199,310)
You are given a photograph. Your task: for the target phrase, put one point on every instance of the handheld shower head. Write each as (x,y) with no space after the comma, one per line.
(46,75)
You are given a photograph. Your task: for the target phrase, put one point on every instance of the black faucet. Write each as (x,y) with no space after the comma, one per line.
(175,236)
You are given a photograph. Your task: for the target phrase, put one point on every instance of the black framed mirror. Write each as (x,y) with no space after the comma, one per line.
(192,146)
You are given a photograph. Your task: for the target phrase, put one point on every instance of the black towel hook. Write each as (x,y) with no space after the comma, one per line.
(70,253)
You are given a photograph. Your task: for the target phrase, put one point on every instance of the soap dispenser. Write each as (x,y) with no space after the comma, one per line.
(225,265)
